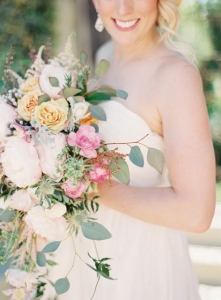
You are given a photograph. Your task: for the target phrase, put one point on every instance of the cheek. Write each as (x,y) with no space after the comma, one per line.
(147,6)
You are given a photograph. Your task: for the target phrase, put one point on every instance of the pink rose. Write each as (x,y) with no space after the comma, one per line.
(48,155)
(71,190)
(87,139)
(99,174)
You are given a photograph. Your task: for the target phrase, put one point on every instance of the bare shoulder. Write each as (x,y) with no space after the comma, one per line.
(104,52)
(178,77)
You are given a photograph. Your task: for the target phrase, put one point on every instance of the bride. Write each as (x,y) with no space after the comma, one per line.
(146,218)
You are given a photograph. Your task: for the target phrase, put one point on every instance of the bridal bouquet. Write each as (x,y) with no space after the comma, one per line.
(51,156)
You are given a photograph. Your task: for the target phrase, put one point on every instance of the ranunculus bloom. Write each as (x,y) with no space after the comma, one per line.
(79,111)
(21,279)
(56,211)
(7,114)
(53,71)
(73,191)
(27,104)
(99,174)
(53,114)
(87,139)
(46,227)
(30,85)
(21,200)
(48,155)
(20,162)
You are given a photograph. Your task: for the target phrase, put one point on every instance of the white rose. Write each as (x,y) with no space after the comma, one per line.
(79,111)
(48,155)
(18,278)
(21,200)
(7,114)
(56,211)
(44,226)
(20,162)
(52,71)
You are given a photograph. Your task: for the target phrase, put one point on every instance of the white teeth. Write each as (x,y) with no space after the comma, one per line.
(126,24)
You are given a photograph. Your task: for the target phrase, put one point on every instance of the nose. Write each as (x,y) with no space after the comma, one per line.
(124,7)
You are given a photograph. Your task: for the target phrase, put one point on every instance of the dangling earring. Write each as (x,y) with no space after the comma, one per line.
(99,26)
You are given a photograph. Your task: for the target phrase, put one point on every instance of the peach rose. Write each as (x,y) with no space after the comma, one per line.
(89,120)
(27,104)
(53,114)
(30,85)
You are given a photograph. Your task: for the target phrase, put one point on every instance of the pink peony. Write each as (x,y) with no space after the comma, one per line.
(71,190)
(99,174)
(20,162)
(87,139)
(7,114)
(22,200)
(48,155)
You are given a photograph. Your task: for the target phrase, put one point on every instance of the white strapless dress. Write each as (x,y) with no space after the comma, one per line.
(150,262)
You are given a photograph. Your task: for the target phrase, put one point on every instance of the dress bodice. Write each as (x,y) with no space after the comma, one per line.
(123,125)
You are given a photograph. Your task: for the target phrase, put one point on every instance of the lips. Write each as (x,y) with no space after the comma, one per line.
(126,25)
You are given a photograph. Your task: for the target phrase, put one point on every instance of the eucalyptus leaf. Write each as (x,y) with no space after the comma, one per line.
(53,246)
(54,81)
(83,58)
(95,127)
(43,98)
(136,156)
(155,159)
(7,215)
(108,91)
(122,94)
(102,68)
(41,259)
(123,174)
(95,231)
(69,92)
(97,112)
(62,285)
(96,97)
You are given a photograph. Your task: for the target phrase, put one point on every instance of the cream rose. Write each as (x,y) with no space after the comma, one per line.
(56,211)
(53,114)
(30,85)
(27,104)
(80,111)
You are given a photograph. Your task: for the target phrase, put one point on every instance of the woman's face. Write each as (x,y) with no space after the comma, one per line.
(128,21)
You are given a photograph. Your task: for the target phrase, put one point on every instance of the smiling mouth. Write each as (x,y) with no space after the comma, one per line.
(126,24)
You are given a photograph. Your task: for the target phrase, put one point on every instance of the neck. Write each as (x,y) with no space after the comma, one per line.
(138,49)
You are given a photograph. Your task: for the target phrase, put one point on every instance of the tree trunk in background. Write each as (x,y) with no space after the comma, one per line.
(78,16)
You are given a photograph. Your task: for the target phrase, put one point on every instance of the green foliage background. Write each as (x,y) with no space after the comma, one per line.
(24,22)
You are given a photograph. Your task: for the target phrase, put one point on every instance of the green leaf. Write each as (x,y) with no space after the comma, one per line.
(41,259)
(51,262)
(155,159)
(123,174)
(108,91)
(136,156)
(51,247)
(122,94)
(95,231)
(7,215)
(97,112)
(100,272)
(69,92)
(43,98)
(83,58)
(102,68)
(62,285)
(96,97)
(54,81)
(95,127)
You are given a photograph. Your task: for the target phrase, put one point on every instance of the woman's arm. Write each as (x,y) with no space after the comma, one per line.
(189,203)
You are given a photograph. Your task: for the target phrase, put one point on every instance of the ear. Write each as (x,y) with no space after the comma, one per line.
(95,4)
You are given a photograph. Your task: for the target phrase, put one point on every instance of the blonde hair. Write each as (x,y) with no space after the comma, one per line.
(167,22)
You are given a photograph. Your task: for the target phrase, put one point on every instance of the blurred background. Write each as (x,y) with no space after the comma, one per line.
(29,24)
